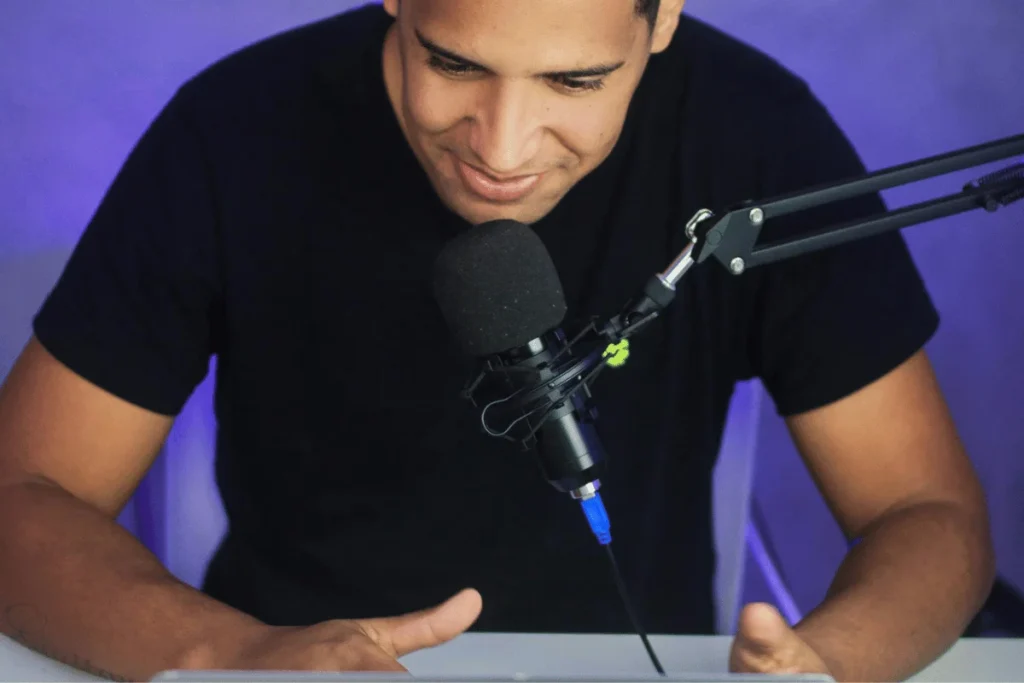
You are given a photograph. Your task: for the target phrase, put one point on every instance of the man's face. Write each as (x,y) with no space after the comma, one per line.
(509,103)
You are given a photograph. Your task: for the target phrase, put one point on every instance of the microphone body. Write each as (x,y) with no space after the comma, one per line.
(501,297)
(538,400)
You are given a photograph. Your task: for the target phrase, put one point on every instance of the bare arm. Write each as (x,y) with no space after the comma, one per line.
(895,475)
(74,585)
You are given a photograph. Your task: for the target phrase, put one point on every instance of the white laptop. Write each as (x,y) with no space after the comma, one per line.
(309,677)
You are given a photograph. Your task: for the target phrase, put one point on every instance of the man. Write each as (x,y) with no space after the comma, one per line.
(283,213)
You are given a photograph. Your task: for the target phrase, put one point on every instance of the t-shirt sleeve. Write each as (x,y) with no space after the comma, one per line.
(829,323)
(134,309)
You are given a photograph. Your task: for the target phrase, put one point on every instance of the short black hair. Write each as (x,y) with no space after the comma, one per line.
(649,10)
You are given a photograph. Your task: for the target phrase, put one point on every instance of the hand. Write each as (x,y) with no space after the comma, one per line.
(357,645)
(765,644)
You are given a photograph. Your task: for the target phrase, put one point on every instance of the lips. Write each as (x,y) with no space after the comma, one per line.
(499,190)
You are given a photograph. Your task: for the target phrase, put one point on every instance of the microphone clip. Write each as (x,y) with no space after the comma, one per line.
(518,391)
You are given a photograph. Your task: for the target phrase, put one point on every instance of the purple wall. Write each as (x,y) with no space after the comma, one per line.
(79,81)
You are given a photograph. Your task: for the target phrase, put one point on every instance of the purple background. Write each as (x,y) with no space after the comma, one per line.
(79,82)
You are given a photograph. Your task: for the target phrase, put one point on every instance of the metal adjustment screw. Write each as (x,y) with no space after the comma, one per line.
(756,216)
(737,266)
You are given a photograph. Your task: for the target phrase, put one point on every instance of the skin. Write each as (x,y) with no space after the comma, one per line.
(887,458)
(504,103)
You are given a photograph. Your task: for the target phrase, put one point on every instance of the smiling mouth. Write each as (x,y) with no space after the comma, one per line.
(492,189)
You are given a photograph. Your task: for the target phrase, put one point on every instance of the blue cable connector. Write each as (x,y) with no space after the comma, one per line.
(597,516)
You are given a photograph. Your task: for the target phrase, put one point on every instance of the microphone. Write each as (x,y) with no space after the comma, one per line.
(500,294)
(501,297)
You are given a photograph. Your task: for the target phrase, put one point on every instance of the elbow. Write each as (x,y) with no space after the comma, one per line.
(985,567)
(976,534)
(969,556)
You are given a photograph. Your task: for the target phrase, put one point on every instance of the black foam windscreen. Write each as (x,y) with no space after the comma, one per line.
(497,287)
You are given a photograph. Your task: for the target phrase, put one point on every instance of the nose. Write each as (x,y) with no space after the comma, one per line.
(507,129)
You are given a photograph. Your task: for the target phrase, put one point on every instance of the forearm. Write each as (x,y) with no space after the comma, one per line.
(77,587)
(904,594)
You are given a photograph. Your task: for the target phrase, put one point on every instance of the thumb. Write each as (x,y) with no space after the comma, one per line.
(762,629)
(427,628)
(764,642)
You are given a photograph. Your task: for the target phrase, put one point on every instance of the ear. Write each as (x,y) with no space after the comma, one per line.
(666,24)
(391,7)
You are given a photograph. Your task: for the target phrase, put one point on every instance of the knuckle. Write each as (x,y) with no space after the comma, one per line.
(348,646)
(371,632)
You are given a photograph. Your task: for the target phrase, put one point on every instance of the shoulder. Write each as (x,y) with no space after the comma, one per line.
(716,62)
(747,125)
(286,74)
(722,76)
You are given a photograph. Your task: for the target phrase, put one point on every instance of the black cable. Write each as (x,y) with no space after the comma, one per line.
(624,594)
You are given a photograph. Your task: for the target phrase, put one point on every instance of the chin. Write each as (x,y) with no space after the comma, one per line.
(475,210)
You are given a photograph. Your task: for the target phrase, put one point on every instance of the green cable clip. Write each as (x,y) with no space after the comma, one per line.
(616,354)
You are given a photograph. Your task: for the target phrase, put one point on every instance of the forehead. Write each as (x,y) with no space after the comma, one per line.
(518,35)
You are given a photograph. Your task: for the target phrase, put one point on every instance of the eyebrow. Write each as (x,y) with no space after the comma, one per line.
(588,72)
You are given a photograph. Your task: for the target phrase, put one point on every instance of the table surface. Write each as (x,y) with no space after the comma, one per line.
(991,660)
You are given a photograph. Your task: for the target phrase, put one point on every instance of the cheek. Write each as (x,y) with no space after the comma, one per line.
(434,104)
(588,126)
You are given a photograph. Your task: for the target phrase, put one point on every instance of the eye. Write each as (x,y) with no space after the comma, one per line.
(578,85)
(449,67)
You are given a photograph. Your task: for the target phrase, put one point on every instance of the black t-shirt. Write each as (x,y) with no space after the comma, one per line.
(274,217)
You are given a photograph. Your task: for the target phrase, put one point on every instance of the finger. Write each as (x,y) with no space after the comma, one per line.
(379,661)
(426,628)
(361,657)
(764,643)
